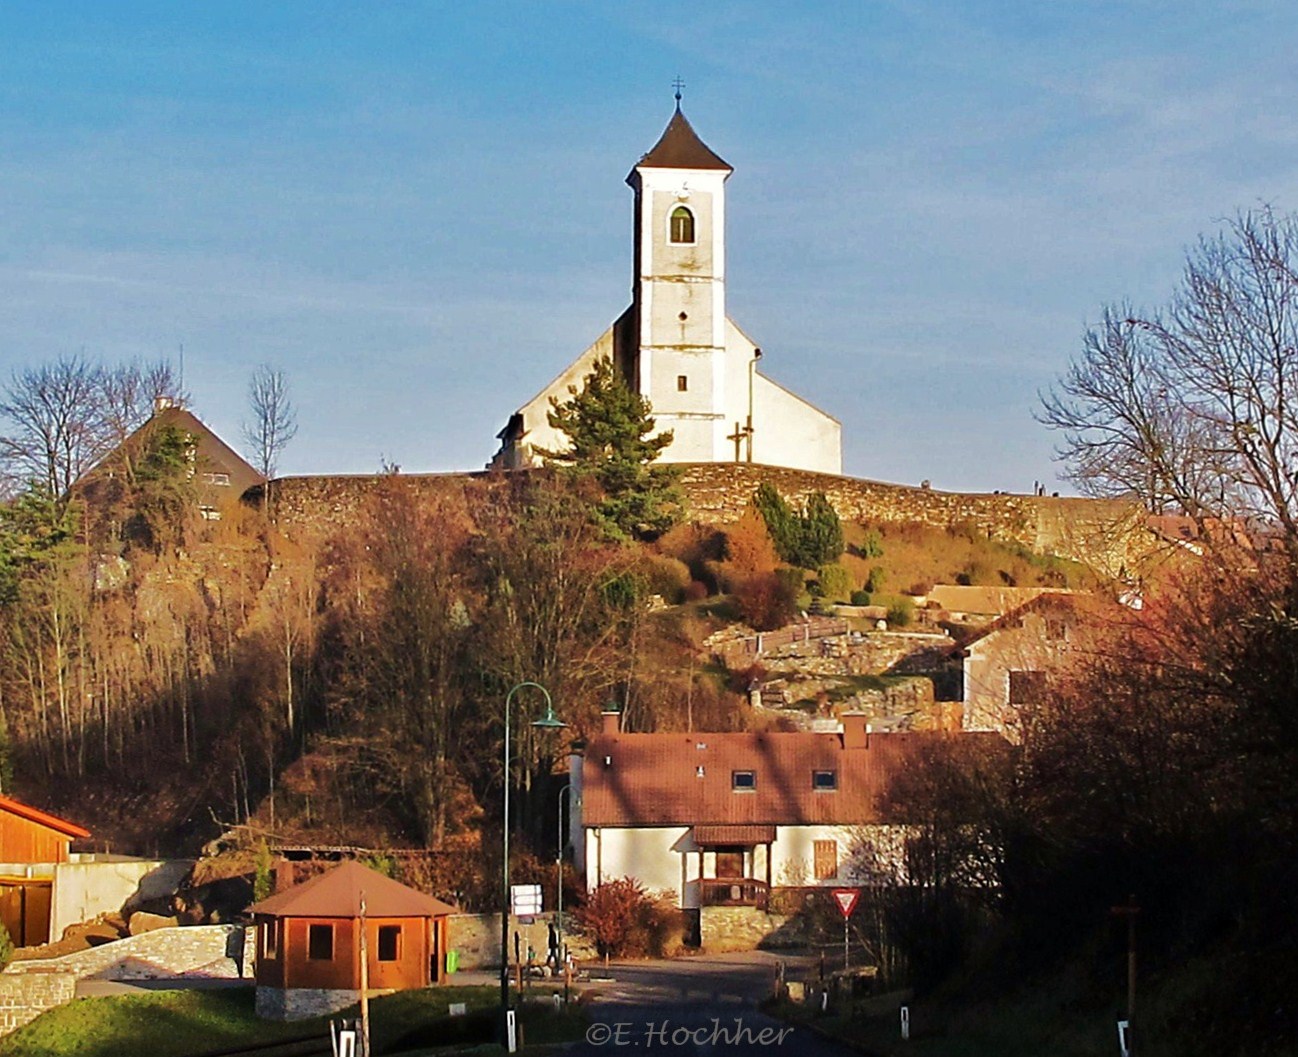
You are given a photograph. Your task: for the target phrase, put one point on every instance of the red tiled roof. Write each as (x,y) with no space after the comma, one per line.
(679,147)
(31,814)
(337,894)
(655,780)
(1093,607)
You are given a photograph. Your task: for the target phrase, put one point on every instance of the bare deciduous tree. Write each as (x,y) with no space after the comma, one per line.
(1195,408)
(56,432)
(274,419)
(65,416)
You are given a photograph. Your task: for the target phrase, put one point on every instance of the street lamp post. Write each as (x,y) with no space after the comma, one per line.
(565,788)
(547,722)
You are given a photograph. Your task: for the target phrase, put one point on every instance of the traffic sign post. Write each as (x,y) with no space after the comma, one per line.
(846,899)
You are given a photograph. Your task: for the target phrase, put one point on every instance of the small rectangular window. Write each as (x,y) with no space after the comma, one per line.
(269,939)
(320,943)
(682,383)
(824,781)
(743,780)
(1027,688)
(389,943)
(217,478)
(825,853)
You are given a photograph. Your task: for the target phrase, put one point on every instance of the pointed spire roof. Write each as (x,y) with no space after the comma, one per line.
(679,147)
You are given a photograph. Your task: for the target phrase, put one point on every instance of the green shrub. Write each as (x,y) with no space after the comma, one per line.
(667,576)
(874,579)
(261,877)
(901,611)
(835,581)
(860,598)
(6,946)
(808,539)
(872,545)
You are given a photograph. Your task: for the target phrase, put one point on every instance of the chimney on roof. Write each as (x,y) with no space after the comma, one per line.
(611,719)
(162,403)
(856,731)
(284,875)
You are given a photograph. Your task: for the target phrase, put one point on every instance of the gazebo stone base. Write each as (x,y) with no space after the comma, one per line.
(298,1003)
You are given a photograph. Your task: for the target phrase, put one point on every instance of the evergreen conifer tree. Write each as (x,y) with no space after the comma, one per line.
(610,431)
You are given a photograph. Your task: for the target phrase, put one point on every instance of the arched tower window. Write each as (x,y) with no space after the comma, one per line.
(682,225)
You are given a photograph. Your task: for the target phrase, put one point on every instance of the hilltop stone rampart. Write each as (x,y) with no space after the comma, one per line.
(1097,532)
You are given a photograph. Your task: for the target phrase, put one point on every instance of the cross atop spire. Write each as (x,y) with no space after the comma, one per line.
(678,84)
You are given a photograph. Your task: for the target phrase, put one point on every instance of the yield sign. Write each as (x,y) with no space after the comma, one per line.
(846,899)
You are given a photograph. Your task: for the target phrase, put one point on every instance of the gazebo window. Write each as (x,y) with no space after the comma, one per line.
(320,943)
(389,943)
(682,225)
(270,939)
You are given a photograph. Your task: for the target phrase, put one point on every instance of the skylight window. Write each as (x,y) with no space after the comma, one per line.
(743,781)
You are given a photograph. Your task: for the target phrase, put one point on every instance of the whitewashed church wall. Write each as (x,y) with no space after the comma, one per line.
(788,431)
(539,434)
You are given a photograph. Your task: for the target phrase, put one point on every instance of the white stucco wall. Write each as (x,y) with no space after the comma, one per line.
(538,434)
(86,889)
(653,855)
(788,431)
(667,859)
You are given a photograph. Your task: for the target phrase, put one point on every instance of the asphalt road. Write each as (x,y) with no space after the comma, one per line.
(704,1005)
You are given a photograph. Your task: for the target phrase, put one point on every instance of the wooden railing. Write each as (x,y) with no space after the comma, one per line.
(733,892)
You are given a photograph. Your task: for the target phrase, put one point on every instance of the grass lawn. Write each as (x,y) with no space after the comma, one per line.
(185,1023)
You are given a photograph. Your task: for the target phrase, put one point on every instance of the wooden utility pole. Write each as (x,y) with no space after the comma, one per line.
(365,985)
(1129,911)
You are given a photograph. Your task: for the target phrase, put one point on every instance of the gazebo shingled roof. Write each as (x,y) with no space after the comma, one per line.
(337,894)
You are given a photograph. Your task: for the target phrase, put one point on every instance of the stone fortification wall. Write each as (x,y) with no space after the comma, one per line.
(1068,526)
(1090,530)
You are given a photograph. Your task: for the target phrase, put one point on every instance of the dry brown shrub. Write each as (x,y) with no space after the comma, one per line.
(749,547)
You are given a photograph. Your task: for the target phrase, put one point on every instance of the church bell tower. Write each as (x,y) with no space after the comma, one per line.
(679,293)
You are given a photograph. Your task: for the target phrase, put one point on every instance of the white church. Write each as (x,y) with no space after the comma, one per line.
(675,344)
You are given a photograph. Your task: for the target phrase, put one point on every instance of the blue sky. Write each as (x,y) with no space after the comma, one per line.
(417,210)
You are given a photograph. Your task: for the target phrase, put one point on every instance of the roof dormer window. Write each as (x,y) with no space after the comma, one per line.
(682,226)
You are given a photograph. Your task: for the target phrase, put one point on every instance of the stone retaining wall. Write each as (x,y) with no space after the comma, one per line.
(203,951)
(476,937)
(23,998)
(723,929)
(299,1003)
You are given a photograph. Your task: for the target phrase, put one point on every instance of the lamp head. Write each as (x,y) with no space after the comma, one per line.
(549,721)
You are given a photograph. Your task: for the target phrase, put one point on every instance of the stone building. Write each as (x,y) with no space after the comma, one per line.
(675,345)
(1008,667)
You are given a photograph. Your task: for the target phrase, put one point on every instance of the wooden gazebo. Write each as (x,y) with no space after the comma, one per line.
(309,941)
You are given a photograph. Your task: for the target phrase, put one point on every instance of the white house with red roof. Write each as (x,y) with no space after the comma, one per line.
(725,818)
(675,345)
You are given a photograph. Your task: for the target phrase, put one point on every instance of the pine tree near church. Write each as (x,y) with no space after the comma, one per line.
(610,430)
